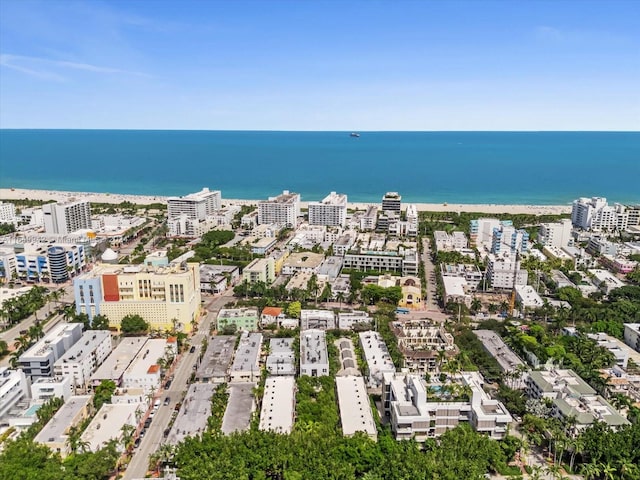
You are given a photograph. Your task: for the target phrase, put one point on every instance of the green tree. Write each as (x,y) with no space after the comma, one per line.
(294,309)
(134,324)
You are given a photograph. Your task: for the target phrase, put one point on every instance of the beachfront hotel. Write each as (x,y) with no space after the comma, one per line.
(196,206)
(166,297)
(331,211)
(282,210)
(67,217)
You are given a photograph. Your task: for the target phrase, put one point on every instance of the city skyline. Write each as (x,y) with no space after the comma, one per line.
(357,66)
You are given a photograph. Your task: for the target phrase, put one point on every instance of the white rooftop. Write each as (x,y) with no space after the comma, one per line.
(108,422)
(148,355)
(278,404)
(85,346)
(116,363)
(55,430)
(355,409)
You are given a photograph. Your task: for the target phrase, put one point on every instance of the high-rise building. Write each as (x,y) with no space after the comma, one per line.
(392,202)
(7,212)
(507,238)
(282,210)
(595,214)
(196,206)
(556,234)
(66,217)
(503,271)
(331,211)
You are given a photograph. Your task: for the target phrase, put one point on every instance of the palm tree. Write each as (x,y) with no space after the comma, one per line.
(476,305)
(590,470)
(608,471)
(340,298)
(127,432)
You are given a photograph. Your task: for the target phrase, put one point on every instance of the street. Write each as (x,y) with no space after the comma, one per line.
(184,367)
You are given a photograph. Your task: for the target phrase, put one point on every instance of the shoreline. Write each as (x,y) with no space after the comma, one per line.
(96,197)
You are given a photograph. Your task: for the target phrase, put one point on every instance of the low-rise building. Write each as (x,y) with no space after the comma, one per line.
(349,320)
(260,270)
(317,319)
(84,357)
(260,245)
(528,297)
(314,360)
(39,359)
(456,290)
(245,318)
(420,341)
(632,335)
(144,371)
(605,280)
(271,316)
(414,415)
(44,389)
(572,397)
(618,349)
(281,359)
(108,422)
(376,354)
(278,404)
(55,434)
(115,364)
(14,388)
(217,278)
(355,408)
(503,271)
(302,262)
(509,362)
(215,363)
(194,412)
(246,367)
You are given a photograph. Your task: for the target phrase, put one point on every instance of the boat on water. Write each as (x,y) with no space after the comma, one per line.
(354,134)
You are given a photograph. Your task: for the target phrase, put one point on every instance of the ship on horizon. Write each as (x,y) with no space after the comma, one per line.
(354,134)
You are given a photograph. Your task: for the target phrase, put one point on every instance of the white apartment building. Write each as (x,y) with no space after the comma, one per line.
(596,214)
(317,319)
(507,238)
(376,354)
(55,433)
(503,271)
(195,206)
(355,408)
(283,209)
(281,359)
(7,213)
(314,360)
(84,357)
(347,320)
(38,360)
(143,371)
(39,262)
(246,367)
(331,211)
(108,422)
(44,389)
(572,397)
(445,243)
(278,404)
(369,219)
(632,335)
(481,229)
(67,217)
(605,280)
(556,234)
(14,387)
(413,415)
(527,296)
(260,270)
(114,366)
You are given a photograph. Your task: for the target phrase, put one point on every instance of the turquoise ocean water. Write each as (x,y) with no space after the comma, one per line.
(454,167)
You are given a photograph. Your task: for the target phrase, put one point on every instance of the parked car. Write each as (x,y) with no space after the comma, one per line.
(147,422)
(192,349)
(136,442)
(168,384)
(167,400)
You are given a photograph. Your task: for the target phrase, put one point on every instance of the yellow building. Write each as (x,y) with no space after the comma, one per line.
(260,270)
(411,290)
(166,297)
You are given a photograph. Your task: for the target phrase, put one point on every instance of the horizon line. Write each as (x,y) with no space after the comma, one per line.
(314,131)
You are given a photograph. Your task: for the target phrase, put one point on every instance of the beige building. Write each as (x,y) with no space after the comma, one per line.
(166,297)
(260,270)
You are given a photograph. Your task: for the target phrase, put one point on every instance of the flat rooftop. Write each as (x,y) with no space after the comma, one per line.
(247,352)
(148,355)
(217,358)
(355,409)
(240,406)
(108,422)
(114,366)
(193,414)
(376,354)
(313,347)
(85,346)
(55,430)
(42,346)
(499,350)
(278,404)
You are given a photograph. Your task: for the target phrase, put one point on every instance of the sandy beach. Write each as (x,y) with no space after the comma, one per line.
(62,196)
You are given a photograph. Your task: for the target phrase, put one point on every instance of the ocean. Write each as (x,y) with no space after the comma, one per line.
(543,168)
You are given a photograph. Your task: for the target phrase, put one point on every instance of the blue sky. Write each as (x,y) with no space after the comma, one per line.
(312,65)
